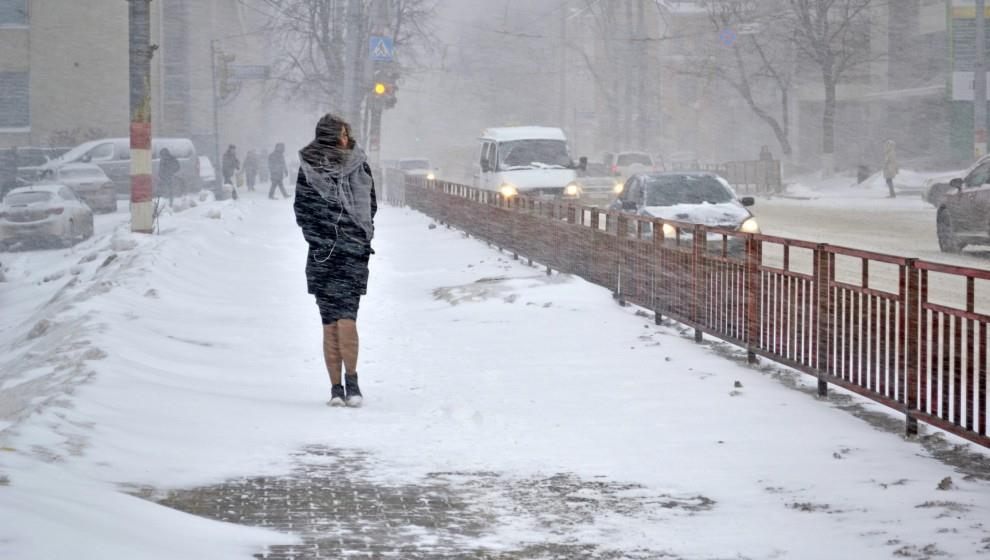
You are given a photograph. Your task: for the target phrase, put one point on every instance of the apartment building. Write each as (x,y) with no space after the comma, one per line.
(64,71)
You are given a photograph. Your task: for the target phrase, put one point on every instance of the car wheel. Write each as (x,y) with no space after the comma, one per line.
(947,240)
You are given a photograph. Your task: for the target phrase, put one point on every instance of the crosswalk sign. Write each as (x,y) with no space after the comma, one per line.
(381,49)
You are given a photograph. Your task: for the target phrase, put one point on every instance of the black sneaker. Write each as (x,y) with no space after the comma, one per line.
(354,397)
(336,396)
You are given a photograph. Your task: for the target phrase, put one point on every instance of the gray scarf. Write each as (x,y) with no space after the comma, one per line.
(344,181)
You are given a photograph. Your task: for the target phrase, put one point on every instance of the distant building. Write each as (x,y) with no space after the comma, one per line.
(64,69)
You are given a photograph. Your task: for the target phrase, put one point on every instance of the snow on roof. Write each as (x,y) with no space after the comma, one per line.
(508,133)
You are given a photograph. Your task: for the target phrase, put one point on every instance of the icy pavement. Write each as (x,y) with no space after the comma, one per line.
(508,415)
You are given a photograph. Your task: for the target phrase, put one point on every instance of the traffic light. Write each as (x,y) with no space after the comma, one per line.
(384,87)
(226,86)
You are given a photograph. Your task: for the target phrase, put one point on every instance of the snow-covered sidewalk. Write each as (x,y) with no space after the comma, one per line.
(507,415)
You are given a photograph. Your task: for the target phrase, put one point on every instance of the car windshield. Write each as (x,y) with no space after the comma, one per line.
(412,164)
(521,154)
(670,190)
(84,173)
(634,159)
(24,198)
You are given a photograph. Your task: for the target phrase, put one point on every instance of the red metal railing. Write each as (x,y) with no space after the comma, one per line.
(871,323)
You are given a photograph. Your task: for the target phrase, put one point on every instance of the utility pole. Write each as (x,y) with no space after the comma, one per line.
(980,82)
(140,53)
(353,82)
(642,122)
(376,103)
(216,114)
(562,73)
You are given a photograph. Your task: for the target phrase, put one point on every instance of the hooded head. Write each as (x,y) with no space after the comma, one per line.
(332,143)
(231,148)
(279,148)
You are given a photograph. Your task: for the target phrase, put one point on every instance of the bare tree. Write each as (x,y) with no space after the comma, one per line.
(322,46)
(835,36)
(758,65)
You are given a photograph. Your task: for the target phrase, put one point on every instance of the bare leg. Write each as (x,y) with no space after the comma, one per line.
(348,337)
(331,352)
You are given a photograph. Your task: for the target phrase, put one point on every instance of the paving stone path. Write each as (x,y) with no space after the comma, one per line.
(338,510)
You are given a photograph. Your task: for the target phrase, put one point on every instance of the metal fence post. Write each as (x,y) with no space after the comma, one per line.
(912,311)
(697,270)
(823,334)
(753,261)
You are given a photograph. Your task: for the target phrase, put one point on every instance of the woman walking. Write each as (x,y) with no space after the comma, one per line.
(335,207)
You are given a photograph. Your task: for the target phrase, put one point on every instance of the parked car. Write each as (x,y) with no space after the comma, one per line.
(113,155)
(88,181)
(417,166)
(30,160)
(691,197)
(627,164)
(40,215)
(963,216)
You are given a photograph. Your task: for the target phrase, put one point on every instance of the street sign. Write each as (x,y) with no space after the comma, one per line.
(250,72)
(381,49)
(727,37)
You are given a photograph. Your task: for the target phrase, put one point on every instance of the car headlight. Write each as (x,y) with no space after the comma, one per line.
(750,226)
(572,189)
(508,190)
(617,189)
(431,177)
(669,230)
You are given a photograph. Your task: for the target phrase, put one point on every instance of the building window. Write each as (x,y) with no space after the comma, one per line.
(15,106)
(13,12)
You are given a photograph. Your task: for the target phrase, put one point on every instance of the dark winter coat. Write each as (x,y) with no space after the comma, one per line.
(168,166)
(339,246)
(276,165)
(230,163)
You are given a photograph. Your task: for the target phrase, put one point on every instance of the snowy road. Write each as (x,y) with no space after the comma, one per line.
(904,226)
(508,415)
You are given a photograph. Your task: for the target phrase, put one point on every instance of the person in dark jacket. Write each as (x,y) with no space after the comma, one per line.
(230,165)
(251,169)
(168,168)
(278,170)
(335,206)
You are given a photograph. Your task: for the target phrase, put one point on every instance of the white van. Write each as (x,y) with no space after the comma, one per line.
(531,160)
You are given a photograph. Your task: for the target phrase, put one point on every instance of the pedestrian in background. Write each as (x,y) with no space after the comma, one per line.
(277,170)
(230,165)
(168,168)
(335,207)
(890,168)
(251,169)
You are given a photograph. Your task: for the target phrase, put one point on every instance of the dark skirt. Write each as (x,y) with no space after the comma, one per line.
(337,283)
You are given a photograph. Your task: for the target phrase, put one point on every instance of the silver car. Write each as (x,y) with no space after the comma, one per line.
(41,215)
(88,181)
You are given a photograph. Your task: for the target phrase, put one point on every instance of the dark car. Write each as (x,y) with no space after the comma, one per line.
(688,197)
(964,210)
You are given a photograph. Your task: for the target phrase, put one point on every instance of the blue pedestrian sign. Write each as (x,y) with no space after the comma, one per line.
(381,49)
(727,37)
